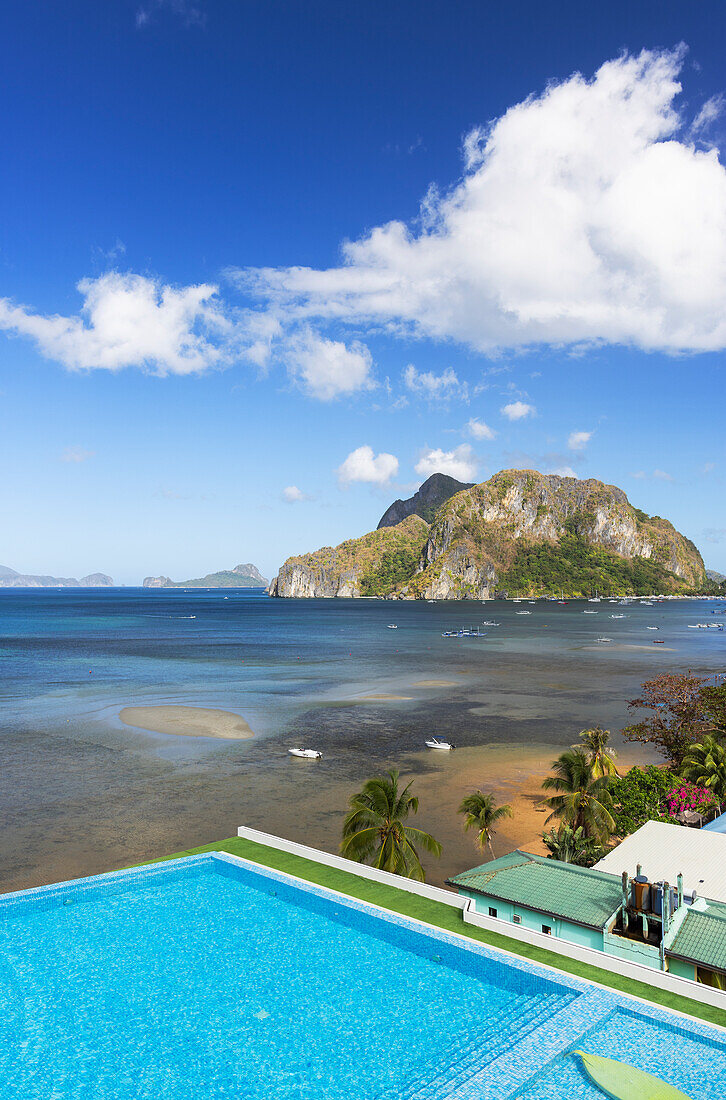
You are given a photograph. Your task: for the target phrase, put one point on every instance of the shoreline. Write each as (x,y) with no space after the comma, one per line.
(184,721)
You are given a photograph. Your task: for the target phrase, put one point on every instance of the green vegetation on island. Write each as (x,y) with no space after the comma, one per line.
(520,532)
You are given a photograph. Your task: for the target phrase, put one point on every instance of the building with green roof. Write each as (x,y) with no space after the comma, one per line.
(594,909)
(545,895)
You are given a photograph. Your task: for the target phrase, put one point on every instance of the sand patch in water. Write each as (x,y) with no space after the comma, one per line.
(182,721)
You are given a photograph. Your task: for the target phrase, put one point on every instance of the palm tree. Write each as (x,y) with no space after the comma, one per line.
(374,830)
(482,813)
(601,757)
(572,846)
(581,798)
(705,765)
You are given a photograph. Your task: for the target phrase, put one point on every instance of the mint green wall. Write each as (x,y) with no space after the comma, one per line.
(530,918)
(682,969)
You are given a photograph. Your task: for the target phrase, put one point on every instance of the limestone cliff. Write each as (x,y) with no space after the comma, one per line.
(242,576)
(521,531)
(374,565)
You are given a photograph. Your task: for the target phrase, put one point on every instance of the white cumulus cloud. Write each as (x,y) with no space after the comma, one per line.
(363,465)
(577,441)
(130,320)
(585,214)
(459,463)
(479,430)
(517,410)
(327,369)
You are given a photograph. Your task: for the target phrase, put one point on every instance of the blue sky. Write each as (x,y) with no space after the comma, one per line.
(265,266)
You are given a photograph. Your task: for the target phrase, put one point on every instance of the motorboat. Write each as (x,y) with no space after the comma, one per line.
(602,639)
(522,612)
(617,616)
(652,628)
(435,743)
(392,626)
(306,754)
(590,613)
(491,623)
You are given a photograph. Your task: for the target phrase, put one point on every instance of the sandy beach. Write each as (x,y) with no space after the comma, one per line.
(188,722)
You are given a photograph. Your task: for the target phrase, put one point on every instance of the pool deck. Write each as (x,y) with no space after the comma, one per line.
(443,916)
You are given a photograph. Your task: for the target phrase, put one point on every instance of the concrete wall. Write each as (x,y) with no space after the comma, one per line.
(632,951)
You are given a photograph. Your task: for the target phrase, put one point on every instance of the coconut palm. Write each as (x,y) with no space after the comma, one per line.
(572,846)
(705,765)
(374,830)
(482,813)
(601,756)
(581,798)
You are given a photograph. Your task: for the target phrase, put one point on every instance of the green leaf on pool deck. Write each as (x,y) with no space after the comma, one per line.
(623,1082)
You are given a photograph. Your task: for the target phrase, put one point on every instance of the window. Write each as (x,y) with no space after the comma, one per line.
(547,929)
(492,911)
(516,920)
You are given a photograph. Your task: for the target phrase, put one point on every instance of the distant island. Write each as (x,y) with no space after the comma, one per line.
(242,576)
(519,533)
(10,578)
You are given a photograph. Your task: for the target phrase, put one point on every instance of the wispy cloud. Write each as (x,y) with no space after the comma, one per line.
(189,13)
(292,495)
(714,534)
(76,454)
(435,387)
(577,441)
(656,475)
(479,430)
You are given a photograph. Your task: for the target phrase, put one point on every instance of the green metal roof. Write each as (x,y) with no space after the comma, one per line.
(578,894)
(702,938)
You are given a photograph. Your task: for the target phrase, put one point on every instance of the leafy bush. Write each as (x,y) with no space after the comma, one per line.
(688,796)
(639,796)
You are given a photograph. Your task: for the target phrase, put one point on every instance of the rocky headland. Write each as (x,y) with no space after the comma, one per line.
(519,532)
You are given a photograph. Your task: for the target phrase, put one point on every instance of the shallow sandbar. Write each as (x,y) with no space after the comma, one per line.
(188,721)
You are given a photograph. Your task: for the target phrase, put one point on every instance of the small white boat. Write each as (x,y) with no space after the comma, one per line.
(490,623)
(594,599)
(522,612)
(591,613)
(306,754)
(392,626)
(617,616)
(434,743)
(602,639)
(652,628)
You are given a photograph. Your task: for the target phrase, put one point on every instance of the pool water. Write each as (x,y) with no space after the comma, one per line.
(209,978)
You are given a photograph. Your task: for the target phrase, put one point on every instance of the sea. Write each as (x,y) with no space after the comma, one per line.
(363,681)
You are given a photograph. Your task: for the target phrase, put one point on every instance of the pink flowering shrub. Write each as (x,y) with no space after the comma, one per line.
(687,796)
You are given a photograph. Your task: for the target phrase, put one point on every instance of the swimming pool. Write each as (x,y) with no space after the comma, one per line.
(213,977)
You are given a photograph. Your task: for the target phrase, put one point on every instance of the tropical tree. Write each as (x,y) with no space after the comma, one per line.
(581,799)
(705,766)
(595,742)
(572,846)
(482,813)
(375,829)
(675,717)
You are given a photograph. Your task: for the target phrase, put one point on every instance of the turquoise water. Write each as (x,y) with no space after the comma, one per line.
(685,1061)
(80,792)
(208,979)
(225,985)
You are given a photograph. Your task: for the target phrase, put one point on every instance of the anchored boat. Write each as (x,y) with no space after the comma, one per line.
(434,743)
(306,754)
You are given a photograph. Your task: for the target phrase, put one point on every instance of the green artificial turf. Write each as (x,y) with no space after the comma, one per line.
(436,913)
